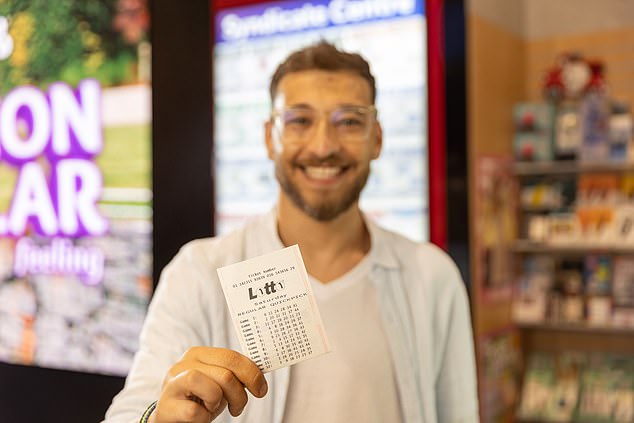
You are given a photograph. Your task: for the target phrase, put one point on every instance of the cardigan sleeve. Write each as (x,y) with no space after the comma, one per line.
(456,383)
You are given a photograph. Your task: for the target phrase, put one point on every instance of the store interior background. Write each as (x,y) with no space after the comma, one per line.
(496,53)
(510,44)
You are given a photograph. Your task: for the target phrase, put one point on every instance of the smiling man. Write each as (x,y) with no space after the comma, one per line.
(322,135)
(396,311)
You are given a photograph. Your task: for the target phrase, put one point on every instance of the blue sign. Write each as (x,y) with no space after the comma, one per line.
(285,17)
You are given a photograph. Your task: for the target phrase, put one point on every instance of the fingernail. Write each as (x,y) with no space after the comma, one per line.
(263,389)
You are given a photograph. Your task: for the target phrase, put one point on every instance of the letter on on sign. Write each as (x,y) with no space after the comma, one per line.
(75,121)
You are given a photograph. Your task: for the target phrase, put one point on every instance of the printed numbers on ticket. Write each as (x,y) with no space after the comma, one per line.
(273,309)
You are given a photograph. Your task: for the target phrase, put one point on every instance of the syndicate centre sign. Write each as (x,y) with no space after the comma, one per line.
(52,138)
(288,17)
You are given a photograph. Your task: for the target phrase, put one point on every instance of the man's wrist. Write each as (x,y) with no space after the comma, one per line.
(145,418)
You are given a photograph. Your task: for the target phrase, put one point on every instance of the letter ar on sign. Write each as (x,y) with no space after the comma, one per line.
(64,204)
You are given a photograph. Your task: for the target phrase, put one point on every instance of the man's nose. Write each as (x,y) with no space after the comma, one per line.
(324,142)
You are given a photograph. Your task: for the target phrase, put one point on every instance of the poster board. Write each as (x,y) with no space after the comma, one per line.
(75,183)
(250,41)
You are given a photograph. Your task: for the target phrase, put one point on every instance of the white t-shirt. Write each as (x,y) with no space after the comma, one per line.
(355,382)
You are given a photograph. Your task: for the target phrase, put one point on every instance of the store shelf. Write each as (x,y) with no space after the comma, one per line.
(526,246)
(564,167)
(546,209)
(578,327)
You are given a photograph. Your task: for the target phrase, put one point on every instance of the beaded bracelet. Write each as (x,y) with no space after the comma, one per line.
(146,416)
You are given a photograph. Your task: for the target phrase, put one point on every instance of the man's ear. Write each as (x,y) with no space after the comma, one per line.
(378,140)
(268,138)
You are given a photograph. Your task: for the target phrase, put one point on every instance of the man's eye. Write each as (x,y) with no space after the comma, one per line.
(298,121)
(349,122)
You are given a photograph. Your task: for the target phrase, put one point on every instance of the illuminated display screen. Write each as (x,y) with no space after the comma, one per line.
(75,183)
(250,42)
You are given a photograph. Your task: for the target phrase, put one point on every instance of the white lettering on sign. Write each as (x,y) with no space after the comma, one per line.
(52,140)
(58,258)
(274,20)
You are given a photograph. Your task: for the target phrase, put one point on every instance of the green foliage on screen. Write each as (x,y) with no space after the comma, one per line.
(65,40)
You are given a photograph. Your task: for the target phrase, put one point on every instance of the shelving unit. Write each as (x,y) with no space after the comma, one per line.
(569,167)
(531,247)
(577,246)
(557,335)
(578,328)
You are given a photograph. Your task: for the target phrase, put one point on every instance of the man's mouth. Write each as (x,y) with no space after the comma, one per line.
(323,173)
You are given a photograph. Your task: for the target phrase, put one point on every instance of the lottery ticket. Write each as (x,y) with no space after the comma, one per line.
(273,309)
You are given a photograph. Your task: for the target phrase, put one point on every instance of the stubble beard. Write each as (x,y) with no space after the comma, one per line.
(327,209)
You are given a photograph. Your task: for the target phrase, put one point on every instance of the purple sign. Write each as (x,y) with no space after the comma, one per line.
(52,139)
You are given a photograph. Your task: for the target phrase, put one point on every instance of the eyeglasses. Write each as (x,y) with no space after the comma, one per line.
(299,123)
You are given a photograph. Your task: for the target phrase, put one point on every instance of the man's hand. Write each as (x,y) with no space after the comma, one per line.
(206,380)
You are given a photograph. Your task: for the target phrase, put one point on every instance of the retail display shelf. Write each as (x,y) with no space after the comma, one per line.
(527,246)
(518,420)
(546,209)
(576,327)
(563,167)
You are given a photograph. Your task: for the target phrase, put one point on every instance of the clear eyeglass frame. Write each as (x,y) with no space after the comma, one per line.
(347,124)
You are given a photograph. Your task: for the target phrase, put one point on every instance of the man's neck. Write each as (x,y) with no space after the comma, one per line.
(329,248)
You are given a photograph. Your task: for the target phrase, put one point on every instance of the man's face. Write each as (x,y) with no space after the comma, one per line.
(322,137)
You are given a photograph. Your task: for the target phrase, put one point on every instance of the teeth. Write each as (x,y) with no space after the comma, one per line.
(322,172)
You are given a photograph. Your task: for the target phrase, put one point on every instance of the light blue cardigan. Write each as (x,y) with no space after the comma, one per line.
(422,300)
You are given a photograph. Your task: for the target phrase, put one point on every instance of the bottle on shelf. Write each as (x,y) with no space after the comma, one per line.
(594,113)
(620,133)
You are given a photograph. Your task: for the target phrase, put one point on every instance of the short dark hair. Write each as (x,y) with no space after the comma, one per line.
(323,56)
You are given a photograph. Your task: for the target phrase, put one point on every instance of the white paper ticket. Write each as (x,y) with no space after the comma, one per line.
(273,309)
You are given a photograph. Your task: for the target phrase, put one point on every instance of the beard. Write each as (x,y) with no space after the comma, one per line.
(325,209)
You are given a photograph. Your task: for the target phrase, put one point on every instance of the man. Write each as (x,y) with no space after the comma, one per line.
(395,311)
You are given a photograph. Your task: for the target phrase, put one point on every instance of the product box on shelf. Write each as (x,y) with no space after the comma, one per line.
(499,372)
(599,311)
(607,390)
(569,287)
(532,146)
(578,387)
(596,189)
(563,228)
(595,114)
(597,284)
(598,196)
(621,133)
(533,131)
(531,302)
(548,194)
(538,386)
(568,135)
(627,187)
(551,387)
(565,397)
(596,209)
(623,291)
(536,228)
(597,274)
